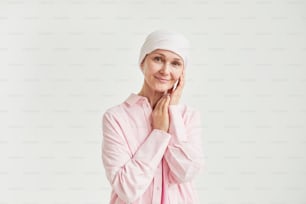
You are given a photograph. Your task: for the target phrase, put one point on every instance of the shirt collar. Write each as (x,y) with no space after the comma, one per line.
(134,98)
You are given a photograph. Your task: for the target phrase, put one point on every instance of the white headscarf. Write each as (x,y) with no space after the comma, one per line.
(166,40)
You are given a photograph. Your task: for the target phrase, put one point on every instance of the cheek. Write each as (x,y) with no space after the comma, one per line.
(146,69)
(149,71)
(177,74)
(148,74)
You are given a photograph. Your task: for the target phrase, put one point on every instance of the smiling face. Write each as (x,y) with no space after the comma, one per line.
(161,69)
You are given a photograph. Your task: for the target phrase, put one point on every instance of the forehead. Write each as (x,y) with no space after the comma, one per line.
(167,53)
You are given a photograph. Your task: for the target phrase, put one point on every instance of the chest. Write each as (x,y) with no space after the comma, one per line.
(138,126)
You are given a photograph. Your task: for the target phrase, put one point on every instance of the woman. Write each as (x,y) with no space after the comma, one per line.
(151,147)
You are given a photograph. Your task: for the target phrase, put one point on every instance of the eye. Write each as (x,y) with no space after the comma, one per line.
(177,64)
(157,59)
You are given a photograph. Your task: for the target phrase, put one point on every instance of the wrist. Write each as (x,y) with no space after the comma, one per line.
(162,129)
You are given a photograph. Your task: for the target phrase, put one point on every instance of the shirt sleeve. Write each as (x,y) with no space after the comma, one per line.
(130,175)
(184,154)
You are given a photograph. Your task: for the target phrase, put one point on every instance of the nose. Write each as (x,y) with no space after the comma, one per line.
(165,68)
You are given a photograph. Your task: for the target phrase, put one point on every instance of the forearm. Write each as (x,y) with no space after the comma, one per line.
(130,176)
(184,153)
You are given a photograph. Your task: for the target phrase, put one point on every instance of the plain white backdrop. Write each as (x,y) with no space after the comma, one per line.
(63,63)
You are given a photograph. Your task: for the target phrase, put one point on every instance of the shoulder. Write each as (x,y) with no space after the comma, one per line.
(125,106)
(119,111)
(113,111)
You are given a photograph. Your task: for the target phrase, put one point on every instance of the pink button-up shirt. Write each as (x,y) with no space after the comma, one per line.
(145,165)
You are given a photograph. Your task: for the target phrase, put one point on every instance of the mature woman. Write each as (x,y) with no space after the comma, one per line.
(151,147)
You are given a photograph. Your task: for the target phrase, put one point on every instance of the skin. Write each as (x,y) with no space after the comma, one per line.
(161,69)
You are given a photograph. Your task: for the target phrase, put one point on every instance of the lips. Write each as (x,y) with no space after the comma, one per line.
(162,80)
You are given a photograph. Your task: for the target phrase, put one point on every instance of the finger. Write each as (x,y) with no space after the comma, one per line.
(162,103)
(167,101)
(182,79)
(180,85)
(165,104)
(159,103)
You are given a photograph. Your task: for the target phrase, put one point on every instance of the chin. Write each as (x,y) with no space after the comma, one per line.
(160,89)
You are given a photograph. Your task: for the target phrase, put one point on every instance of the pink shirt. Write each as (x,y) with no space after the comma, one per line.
(145,165)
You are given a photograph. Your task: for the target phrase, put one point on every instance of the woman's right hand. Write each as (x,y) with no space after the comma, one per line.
(160,114)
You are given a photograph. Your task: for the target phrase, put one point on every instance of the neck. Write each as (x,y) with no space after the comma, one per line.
(152,95)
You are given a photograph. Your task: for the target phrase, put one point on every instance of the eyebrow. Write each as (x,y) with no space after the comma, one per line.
(165,56)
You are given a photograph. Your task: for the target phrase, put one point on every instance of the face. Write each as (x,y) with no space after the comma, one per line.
(161,69)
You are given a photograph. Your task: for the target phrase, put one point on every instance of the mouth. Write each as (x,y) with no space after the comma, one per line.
(162,80)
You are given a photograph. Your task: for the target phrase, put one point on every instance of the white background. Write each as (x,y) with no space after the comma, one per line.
(63,63)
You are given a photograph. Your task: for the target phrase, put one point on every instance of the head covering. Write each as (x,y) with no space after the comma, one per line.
(166,40)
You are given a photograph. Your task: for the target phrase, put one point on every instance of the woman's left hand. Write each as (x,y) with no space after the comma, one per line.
(176,94)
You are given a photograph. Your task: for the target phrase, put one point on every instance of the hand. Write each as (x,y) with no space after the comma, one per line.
(160,115)
(176,94)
